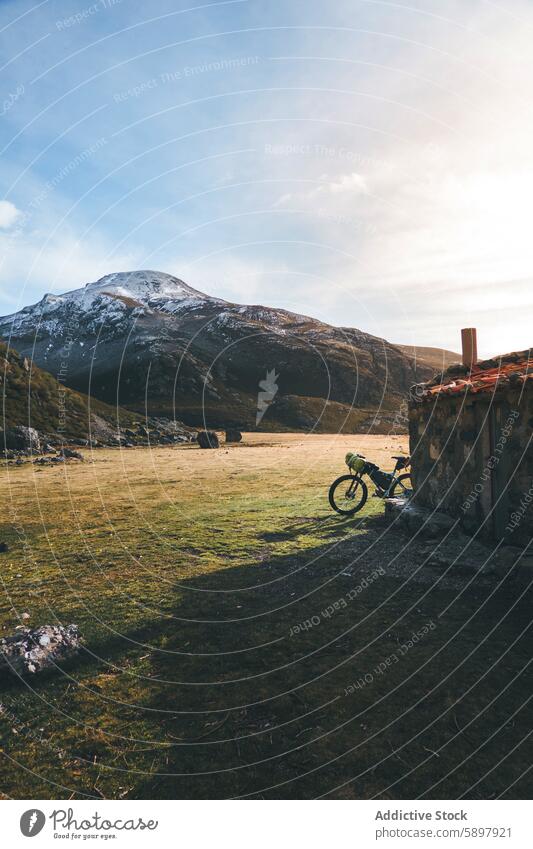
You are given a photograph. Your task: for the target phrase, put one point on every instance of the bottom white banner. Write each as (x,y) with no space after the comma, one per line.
(261,824)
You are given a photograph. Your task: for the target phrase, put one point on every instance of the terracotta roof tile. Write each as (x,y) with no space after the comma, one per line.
(486,376)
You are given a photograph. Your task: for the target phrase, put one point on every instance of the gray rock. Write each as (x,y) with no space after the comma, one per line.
(30,651)
(48,461)
(416,519)
(70,454)
(21,438)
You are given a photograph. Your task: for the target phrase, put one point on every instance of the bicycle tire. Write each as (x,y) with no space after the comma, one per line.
(401,489)
(361,485)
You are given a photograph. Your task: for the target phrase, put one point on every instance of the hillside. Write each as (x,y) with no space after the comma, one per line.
(161,347)
(437,359)
(31,396)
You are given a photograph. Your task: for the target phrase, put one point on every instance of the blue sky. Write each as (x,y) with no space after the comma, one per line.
(368,163)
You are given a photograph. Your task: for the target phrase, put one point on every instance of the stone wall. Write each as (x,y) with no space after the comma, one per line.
(472,457)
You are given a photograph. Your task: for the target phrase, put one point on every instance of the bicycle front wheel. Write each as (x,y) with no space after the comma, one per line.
(348,494)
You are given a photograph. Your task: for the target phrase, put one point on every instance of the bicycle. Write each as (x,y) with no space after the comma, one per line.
(348,494)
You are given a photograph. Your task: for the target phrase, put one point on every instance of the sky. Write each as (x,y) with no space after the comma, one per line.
(365,162)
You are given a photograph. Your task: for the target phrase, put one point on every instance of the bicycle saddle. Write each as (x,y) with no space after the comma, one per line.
(402,462)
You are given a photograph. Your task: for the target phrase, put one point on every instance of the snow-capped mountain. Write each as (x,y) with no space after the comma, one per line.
(152,343)
(105,303)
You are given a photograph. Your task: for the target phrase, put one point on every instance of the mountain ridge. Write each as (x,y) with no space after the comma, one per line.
(151,343)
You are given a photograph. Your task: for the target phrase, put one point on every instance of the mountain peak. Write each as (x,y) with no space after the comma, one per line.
(144,282)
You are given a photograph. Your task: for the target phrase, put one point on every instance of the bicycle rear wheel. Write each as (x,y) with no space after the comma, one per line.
(348,494)
(402,488)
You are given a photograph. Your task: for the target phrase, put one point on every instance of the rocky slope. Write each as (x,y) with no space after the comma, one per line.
(151,343)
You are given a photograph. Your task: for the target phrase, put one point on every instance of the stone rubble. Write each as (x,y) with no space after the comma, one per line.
(31,651)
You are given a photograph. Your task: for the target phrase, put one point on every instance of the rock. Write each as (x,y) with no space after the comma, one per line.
(21,438)
(4,547)
(70,454)
(233,435)
(31,651)
(414,519)
(207,439)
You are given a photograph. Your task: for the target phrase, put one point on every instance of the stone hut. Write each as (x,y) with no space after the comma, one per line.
(470,433)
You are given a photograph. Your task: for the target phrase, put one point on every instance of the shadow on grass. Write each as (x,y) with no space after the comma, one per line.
(290,679)
(314,682)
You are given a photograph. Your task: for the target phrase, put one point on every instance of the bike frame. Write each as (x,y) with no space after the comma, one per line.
(395,479)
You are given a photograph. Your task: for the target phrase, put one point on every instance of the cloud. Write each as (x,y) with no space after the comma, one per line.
(352,183)
(347,185)
(8,214)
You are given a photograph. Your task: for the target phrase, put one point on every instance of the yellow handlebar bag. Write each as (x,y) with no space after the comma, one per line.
(355,462)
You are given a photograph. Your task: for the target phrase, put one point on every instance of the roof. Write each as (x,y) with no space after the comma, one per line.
(489,376)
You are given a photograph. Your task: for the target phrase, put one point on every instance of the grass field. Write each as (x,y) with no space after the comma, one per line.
(240,639)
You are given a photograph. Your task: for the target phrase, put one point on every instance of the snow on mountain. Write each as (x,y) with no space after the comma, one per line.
(143,285)
(105,303)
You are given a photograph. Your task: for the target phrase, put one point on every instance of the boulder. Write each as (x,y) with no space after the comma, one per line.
(418,520)
(233,435)
(21,438)
(31,651)
(207,439)
(70,454)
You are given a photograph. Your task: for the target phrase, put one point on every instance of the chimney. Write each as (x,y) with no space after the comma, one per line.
(469,340)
